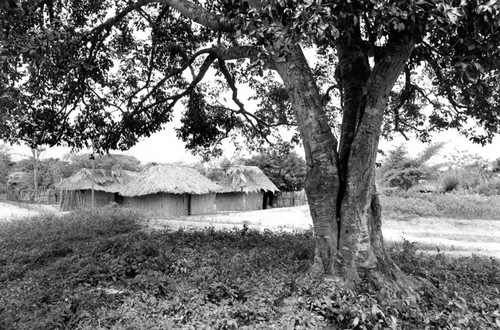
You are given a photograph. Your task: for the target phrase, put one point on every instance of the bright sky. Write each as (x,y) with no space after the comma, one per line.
(164,147)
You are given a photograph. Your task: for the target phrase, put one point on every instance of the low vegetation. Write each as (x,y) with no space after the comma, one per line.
(409,204)
(99,270)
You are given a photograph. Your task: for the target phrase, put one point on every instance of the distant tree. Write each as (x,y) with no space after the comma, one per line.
(401,170)
(74,162)
(496,165)
(6,165)
(466,171)
(47,173)
(287,170)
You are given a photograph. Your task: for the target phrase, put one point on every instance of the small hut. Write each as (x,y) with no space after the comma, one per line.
(244,188)
(76,191)
(171,190)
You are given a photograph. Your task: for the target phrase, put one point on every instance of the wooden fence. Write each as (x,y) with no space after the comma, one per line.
(49,196)
(290,198)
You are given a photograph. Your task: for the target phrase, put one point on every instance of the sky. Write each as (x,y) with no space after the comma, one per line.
(164,147)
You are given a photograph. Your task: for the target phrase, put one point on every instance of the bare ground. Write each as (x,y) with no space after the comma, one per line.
(463,237)
(12,210)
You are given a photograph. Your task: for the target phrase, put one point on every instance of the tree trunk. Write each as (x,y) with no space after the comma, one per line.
(341,189)
(320,145)
(36,156)
(361,242)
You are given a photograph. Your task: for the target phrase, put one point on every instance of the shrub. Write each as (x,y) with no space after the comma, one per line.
(450,182)
(488,188)
(410,204)
(405,178)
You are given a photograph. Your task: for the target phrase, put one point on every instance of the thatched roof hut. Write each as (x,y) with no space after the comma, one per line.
(244,188)
(171,179)
(247,179)
(104,180)
(77,189)
(170,190)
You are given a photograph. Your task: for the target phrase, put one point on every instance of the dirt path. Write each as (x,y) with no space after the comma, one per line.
(464,237)
(11,210)
(452,236)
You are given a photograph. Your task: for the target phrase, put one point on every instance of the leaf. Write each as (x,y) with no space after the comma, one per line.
(394,322)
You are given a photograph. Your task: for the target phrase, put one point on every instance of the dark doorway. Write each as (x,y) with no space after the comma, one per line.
(268,199)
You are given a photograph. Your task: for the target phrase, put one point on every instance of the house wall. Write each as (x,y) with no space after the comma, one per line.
(79,199)
(202,204)
(239,201)
(165,205)
(172,205)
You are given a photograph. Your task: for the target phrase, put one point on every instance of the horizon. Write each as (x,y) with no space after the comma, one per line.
(165,147)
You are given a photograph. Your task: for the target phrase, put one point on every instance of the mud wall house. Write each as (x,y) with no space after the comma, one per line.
(244,188)
(171,190)
(76,191)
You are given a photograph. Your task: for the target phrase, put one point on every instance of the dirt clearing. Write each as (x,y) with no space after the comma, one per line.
(11,210)
(463,237)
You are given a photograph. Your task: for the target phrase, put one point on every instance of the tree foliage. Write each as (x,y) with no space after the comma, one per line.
(287,170)
(75,162)
(401,170)
(109,72)
(48,173)
(6,164)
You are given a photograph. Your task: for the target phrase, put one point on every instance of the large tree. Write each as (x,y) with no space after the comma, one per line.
(108,72)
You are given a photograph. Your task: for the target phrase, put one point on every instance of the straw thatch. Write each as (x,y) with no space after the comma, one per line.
(104,180)
(247,179)
(170,179)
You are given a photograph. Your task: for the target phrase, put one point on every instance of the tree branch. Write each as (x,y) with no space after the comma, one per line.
(199,15)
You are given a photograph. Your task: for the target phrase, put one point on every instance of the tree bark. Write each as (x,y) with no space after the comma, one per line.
(361,242)
(347,219)
(320,145)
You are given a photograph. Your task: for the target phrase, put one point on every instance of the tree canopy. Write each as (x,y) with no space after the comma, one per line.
(111,71)
(107,162)
(286,169)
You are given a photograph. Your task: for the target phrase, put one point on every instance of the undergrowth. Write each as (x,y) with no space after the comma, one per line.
(401,205)
(99,271)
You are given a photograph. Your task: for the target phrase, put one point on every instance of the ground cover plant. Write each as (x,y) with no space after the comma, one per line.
(409,204)
(101,270)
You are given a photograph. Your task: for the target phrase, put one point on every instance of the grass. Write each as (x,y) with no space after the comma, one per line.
(100,271)
(407,205)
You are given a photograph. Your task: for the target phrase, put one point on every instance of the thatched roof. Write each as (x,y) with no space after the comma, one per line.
(245,179)
(172,179)
(104,180)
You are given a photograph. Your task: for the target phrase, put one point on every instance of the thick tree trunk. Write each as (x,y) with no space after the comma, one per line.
(361,243)
(320,145)
(341,191)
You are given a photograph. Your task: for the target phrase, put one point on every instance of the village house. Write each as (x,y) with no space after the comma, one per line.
(171,190)
(76,191)
(244,188)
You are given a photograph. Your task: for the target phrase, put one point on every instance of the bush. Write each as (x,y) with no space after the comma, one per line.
(407,207)
(410,204)
(450,183)
(488,188)
(405,178)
